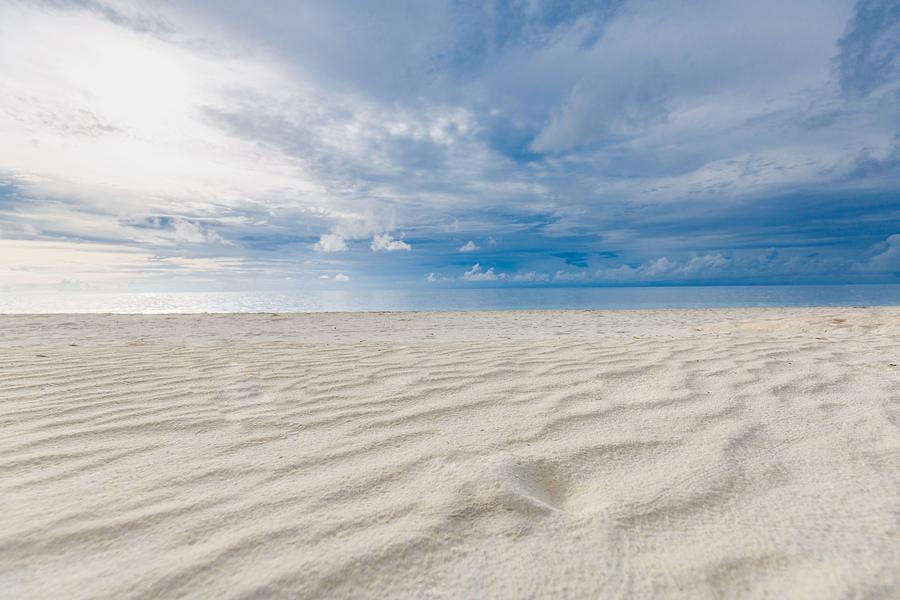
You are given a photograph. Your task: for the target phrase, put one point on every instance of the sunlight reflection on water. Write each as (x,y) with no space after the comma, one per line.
(454,299)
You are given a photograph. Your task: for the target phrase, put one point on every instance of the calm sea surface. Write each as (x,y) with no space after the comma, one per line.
(449,299)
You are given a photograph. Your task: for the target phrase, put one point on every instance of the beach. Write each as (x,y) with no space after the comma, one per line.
(552,454)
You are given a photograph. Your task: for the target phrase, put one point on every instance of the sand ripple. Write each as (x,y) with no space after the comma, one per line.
(638,454)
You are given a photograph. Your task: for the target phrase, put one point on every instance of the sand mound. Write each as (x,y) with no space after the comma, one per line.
(579,454)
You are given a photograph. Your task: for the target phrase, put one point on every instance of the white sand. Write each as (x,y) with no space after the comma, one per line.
(715,453)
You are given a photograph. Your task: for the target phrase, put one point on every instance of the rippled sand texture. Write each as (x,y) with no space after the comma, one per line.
(713,453)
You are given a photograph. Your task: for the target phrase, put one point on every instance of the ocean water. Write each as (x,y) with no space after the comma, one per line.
(454,299)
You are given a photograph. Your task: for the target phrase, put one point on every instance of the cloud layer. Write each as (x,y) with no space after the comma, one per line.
(203,145)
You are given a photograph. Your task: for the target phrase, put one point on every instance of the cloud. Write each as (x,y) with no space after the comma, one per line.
(527,277)
(341,277)
(26,263)
(131,103)
(870,48)
(569,276)
(886,257)
(764,266)
(477,274)
(186,231)
(385,241)
(606,107)
(662,268)
(330,242)
(176,230)
(262,143)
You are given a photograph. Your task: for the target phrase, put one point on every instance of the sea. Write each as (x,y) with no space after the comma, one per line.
(598,298)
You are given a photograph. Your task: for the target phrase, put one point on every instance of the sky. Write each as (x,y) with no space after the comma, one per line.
(225,145)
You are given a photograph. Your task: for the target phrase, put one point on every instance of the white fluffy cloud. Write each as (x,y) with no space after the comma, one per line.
(341,277)
(386,242)
(330,242)
(192,233)
(469,246)
(476,273)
